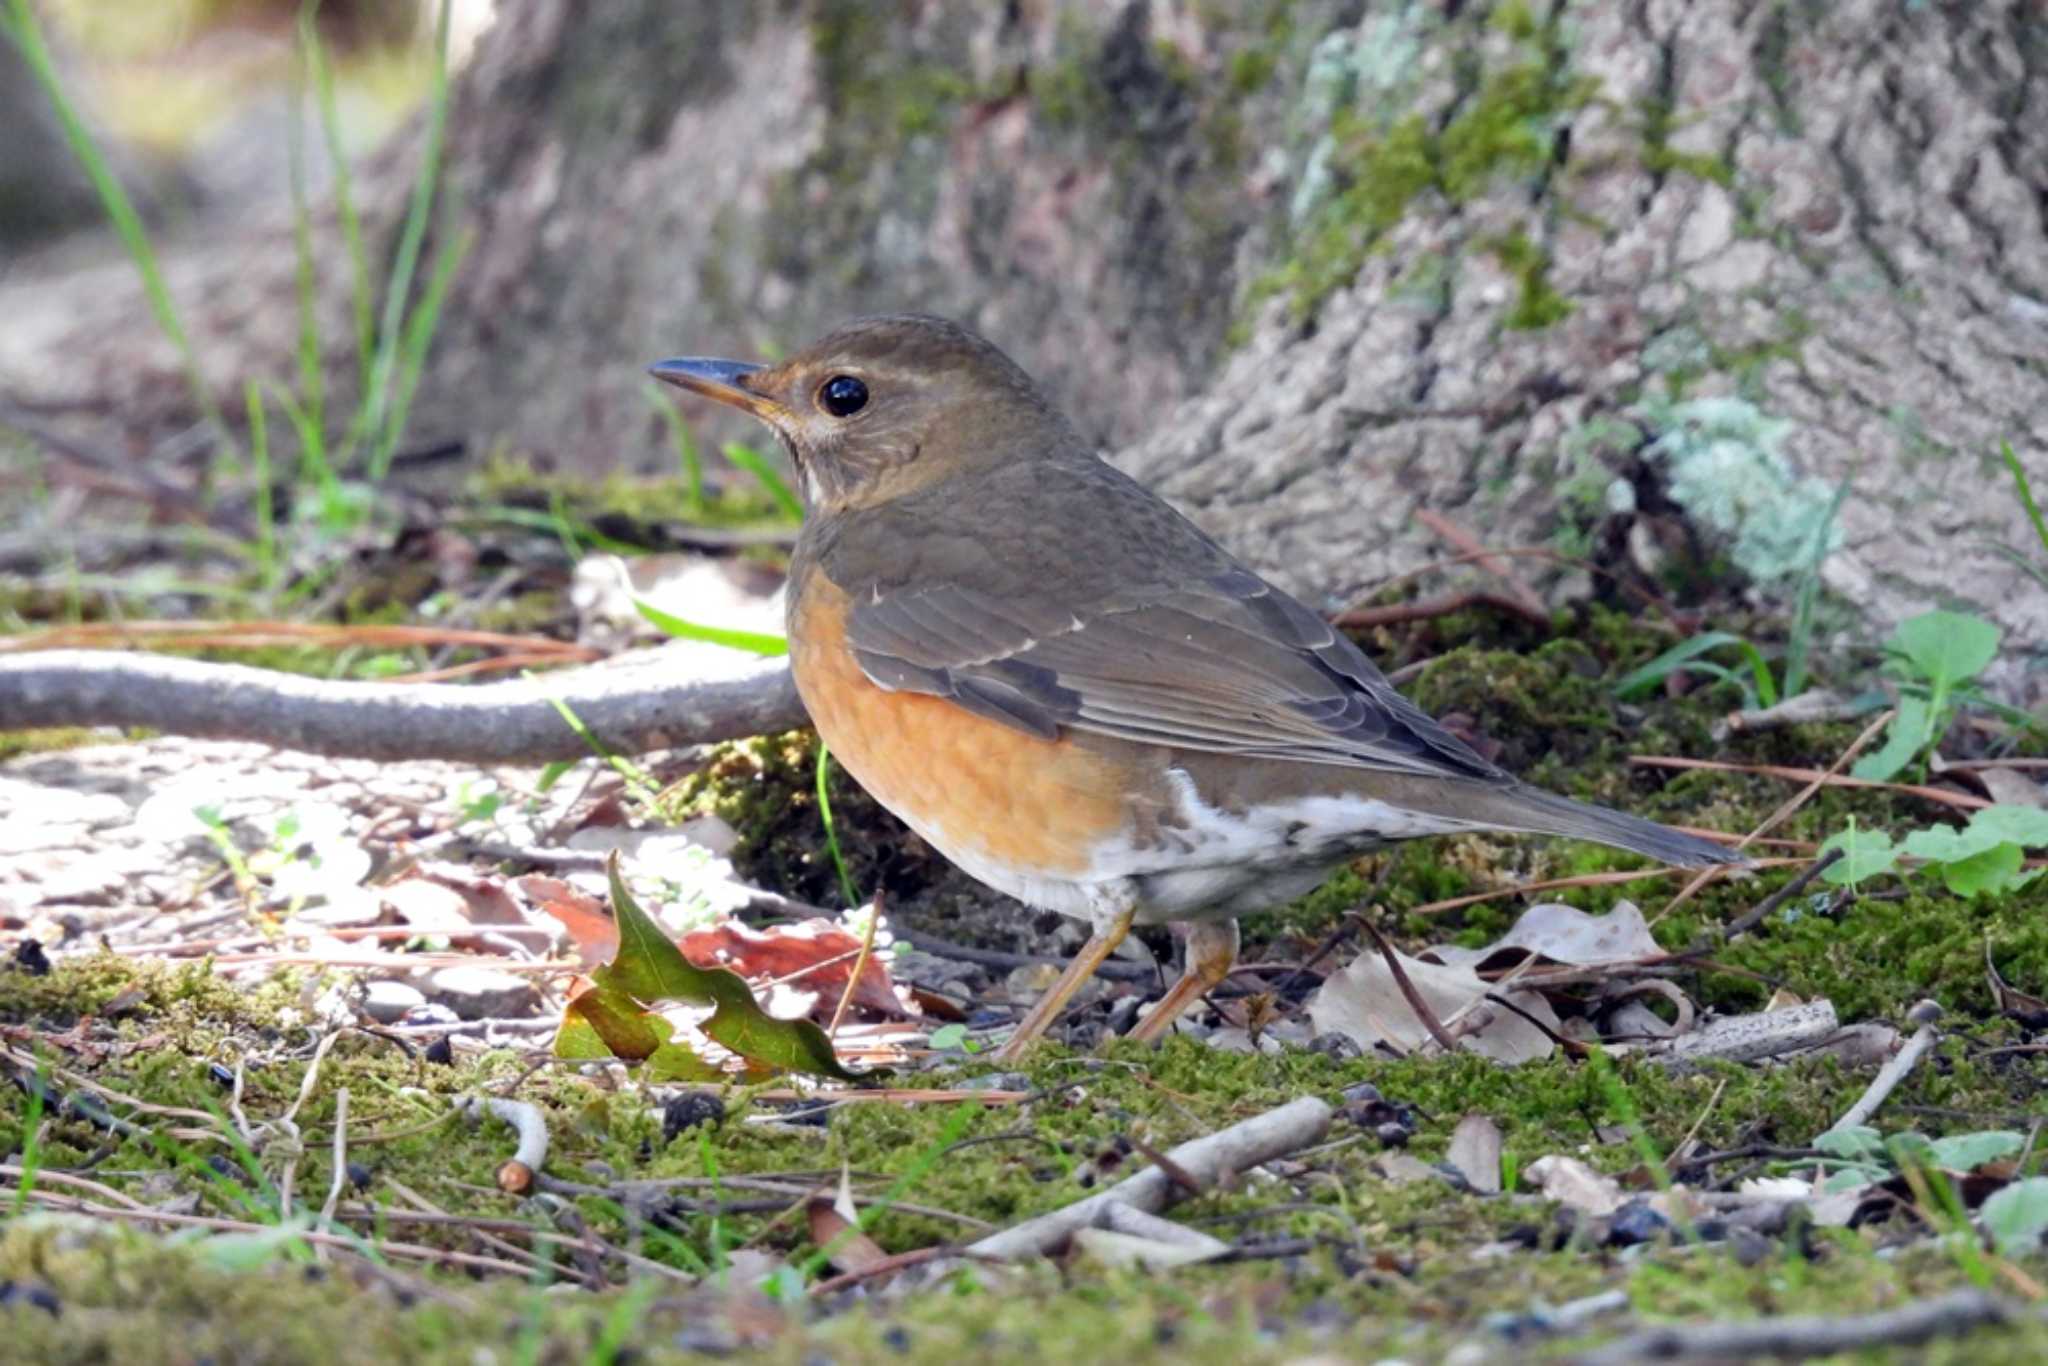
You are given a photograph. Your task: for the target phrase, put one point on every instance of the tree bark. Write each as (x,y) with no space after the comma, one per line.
(1641,282)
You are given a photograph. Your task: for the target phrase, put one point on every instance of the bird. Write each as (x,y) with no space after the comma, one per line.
(1070,690)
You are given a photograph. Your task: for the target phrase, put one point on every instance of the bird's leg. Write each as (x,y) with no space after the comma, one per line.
(1211,954)
(1100,945)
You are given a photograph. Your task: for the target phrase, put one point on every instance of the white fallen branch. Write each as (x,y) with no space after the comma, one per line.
(1894,1071)
(1209,1160)
(1815,706)
(1747,1038)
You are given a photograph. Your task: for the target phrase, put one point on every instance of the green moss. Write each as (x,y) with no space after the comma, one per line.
(52,740)
(897,101)
(1504,126)
(1658,120)
(766,789)
(616,505)
(1251,68)
(1538,304)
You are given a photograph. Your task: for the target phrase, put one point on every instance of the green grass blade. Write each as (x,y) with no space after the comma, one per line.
(846,887)
(756,464)
(1760,670)
(398,287)
(419,335)
(2019,479)
(259,456)
(753,642)
(344,187)
(687,457)
(22,26)
(312,375)
(1799,644)
(1638,682)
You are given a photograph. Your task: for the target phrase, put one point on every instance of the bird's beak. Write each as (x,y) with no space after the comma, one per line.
(718,379)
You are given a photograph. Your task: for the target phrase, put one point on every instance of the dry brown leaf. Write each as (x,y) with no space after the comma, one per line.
(835,1229)
(815,955)
(1364,1003)
(1562,934)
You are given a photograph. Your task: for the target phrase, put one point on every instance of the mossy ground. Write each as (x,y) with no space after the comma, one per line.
(1392,1270)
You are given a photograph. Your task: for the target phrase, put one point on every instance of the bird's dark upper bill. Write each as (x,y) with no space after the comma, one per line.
(719,379)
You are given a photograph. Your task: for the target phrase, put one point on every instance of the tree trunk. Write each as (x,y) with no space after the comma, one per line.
(1641,282)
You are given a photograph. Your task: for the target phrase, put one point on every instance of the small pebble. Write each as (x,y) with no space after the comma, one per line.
(688,1111)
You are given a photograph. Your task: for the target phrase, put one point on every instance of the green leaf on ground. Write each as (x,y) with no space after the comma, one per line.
(1865,854)
(1946,648)
(2026,826)
(2017,1216)
(1910,730)
(649,968)
(1967,1152)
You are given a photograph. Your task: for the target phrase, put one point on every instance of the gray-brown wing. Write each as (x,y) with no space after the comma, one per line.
(1226,663)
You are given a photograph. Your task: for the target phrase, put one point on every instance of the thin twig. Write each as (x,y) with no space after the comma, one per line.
(1961,801)
(1797,1337)
(1209,1160)
(1428,609)
(1409,994)
(1493,564)
(860,964)
(1777,817)
(340,1240)
(339,1181)
(1757,914)
(1888,1078)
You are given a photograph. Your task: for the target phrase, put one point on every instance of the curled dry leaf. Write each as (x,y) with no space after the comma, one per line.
(1365,1003)
(1562,934)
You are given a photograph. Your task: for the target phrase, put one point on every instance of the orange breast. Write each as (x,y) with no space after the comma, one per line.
(977,789)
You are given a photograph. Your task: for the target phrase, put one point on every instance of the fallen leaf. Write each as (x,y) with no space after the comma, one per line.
(650,969)
(1571,1182)
(1366,1004)
(2028,1009)
(815,955)
(1475,1152)
(589,925)
(1561,934)
(835,1229)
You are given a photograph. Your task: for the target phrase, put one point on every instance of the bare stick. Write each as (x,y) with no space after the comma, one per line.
(1209,1160)
(340,1177)
(629,706)
(1893,1072)
(1813,707)
(1745,1038)
(1794,1337)
(1758,913)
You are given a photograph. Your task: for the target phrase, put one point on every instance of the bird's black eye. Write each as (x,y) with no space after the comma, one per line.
(842,396)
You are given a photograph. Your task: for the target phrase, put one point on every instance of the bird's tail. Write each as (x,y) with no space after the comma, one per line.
(1538,812)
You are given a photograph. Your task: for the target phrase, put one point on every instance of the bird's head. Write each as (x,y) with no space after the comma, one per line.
(885,406)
